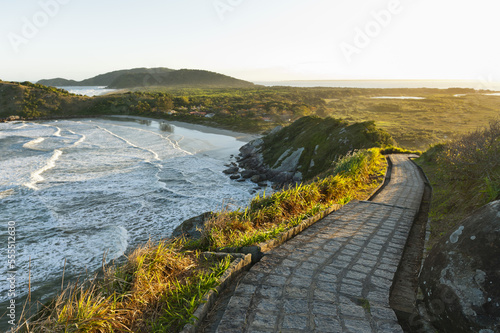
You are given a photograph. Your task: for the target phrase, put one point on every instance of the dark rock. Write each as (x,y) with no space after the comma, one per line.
(263,184)
(248,173)
(251,148)
(241,180)
(234,177)
(255,179)
(263,177)
(231,170)
(191,227)
(460,278)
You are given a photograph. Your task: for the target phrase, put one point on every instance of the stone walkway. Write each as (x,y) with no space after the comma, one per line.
(336,275)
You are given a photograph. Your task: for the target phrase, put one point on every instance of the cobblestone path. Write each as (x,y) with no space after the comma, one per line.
(336,275)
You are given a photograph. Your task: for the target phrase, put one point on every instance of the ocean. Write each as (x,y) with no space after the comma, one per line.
(80,190)
(386,84)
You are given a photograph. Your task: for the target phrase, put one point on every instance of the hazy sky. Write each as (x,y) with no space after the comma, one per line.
(258,40)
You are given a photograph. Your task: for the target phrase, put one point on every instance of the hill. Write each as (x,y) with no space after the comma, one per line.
(30,100)
(147,77)
(307,148)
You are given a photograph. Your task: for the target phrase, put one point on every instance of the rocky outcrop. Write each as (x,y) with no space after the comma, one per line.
(305,149)
(283,172)
(191,227)
(460,278)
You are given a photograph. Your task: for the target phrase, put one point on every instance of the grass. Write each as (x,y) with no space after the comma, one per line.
(160,286)
(156,290)
(365,304)
(322,141)
(464,174)
(352,177)
(417,124)
(397,150)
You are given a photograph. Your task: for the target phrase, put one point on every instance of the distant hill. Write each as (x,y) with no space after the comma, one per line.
(146,77)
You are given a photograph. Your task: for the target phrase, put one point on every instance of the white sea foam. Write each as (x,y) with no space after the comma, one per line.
(36,177)
(33,142)
(109,186)
(155,155)
(22,126)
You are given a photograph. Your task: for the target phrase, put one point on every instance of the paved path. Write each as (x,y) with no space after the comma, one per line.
(337,274)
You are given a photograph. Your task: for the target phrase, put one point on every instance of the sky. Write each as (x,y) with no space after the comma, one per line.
(255,40)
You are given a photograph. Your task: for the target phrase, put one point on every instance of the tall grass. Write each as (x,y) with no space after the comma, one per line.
(465,174)
(352,177)
(157,289)
(160,285)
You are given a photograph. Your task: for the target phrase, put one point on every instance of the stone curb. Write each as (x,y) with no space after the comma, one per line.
(249,255)
(257,251)
(241,262)
(387,179)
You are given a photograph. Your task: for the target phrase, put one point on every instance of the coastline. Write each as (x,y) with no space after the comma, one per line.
(240,136)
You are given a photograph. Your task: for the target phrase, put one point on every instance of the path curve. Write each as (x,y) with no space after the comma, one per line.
(336,275)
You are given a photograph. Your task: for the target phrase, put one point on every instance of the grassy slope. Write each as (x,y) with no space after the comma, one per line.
(465,175)
(323,140)
(30,100)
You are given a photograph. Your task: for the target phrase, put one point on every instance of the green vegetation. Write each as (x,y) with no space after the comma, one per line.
(397,150)
(160,286)
(352,177)
(464,174)
(145,77)
(365,304)
(156,290)
(414,124)
(323,141)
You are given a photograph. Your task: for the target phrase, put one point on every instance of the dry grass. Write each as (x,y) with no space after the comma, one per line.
(352,177)
(157,289)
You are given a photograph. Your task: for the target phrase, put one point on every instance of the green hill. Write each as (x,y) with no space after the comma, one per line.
(307,148)
(147,77)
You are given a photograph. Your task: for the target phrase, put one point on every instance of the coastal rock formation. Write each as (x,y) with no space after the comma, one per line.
(305,149)
(284,171)
(460,278)
(191,227)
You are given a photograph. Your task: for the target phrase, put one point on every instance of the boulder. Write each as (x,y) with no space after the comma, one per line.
(234,177)
(460,278)
(251,148)
(191,227)
(248,173)
(255,179)
(231,170)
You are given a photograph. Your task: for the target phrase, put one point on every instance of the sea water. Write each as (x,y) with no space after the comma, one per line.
(78,190)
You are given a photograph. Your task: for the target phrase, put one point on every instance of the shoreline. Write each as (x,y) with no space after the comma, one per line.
(240,136)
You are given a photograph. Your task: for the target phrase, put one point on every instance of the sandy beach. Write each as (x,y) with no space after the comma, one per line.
(244,137)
